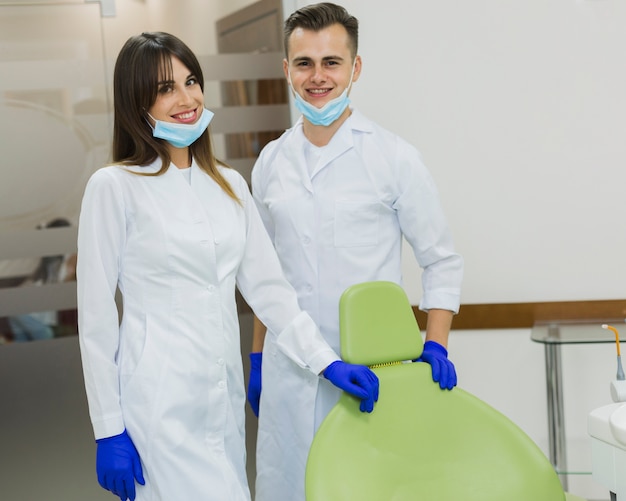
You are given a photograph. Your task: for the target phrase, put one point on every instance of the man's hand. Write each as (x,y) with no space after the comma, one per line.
(442,369)
(254,383)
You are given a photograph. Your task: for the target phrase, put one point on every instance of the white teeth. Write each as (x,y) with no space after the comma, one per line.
(184,116)
(317,91)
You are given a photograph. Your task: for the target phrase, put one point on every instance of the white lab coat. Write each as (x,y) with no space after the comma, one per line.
(340,225)
(171,373)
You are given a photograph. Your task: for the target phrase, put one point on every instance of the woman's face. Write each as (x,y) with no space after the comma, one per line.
(179,100)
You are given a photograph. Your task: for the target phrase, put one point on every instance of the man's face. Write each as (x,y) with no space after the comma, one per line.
(320,63)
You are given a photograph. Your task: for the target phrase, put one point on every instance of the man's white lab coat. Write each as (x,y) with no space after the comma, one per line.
(334,225)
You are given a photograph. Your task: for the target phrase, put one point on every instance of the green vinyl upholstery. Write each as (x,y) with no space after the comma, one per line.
(421,442)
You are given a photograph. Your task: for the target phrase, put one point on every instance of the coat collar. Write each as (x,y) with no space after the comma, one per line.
(342,141)
(155,166)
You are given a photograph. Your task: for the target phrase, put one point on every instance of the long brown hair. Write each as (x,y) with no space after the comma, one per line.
(143,61)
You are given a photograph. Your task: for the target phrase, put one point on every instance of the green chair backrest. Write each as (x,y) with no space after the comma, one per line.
(421,442)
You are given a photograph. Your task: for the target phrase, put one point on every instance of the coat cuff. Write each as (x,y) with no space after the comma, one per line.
(441,299)
(108,427)
(303,343)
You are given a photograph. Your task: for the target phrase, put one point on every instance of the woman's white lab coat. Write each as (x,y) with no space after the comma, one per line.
(338,225)
(171,372)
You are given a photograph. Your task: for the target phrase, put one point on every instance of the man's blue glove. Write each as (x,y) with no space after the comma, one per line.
(443,370)
(358,380)
(254,384)
(118,465)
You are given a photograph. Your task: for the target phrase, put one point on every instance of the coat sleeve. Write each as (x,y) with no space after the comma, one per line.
(101,237)
(424,226)
(258,177)
(274,301)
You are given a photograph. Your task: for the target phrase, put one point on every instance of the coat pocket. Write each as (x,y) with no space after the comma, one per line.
(356,223)
(138,366)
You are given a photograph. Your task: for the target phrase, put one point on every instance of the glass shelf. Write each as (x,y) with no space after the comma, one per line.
(553,334)
(576,331)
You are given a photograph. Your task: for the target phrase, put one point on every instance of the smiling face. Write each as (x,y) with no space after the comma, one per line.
(319,64)
(179,96)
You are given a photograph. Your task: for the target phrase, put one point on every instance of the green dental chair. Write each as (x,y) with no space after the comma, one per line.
(421,442)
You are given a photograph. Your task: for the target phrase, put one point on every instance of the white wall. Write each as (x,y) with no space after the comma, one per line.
(518,108)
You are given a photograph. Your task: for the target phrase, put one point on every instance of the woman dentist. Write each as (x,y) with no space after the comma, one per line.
(176,231)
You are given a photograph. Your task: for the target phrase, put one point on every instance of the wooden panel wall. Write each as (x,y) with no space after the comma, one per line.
(524,315)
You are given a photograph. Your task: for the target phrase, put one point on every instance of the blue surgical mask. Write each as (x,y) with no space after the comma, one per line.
(328,113)
(181,135)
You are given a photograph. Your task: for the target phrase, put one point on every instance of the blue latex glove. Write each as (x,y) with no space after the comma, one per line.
(254,384)
(357,380)
(118,466)
(443,370)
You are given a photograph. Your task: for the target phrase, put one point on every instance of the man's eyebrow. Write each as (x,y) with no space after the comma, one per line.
(325,58)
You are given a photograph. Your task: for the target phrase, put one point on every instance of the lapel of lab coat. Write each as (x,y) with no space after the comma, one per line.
(341,142)
(294,154)
(192,202)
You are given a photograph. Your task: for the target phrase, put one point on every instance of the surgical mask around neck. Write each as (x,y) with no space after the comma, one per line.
(181,135)
(328,113)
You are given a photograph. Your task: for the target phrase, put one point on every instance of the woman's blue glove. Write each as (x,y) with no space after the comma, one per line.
(358,380)
(254,384)
(443,370)
(118,466)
